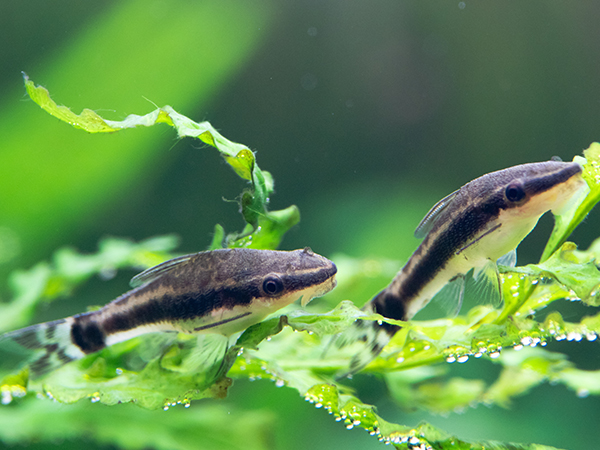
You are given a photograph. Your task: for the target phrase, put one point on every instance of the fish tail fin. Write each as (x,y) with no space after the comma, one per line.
(368,338)
(51,342)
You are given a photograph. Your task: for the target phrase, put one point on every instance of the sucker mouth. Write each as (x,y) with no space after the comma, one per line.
(319,290)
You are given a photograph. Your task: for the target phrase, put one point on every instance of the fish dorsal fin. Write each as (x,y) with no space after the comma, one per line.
(433,215)
(155,272)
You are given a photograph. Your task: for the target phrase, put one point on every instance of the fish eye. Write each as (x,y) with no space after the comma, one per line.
(272,285)
(515,192)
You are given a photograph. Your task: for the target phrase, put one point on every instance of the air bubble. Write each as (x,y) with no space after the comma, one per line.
(495,354)
(280,383)
(462,359)
(493,348)
(6,397)
(582,393)
(518,347)
(574,336)
(450,359)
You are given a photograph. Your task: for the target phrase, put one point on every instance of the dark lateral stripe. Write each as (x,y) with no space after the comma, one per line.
(466,222)
(302,281)
(440,247)
(389,305)
(86,334)
(222,322)
(541,184)
(182,307)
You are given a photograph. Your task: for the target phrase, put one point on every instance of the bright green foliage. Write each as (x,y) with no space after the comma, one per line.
(564,225)
(157,371)
(56,179)
(48,281)
(264,230)
(179,429)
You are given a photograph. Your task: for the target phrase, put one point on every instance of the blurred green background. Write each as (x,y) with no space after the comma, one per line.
(365,112)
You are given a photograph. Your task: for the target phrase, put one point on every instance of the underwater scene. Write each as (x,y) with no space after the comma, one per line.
(273,225)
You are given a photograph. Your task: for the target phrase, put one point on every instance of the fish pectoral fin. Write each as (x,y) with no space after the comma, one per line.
(485,286)
(433,216)
(155,272)
(449,299)
(508,260)
(196,355)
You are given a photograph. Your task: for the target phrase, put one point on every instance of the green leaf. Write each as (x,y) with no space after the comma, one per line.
(294,349)
(48,281)
(266,228)
(238,156)
(353,413)
(113,63)
(211,425)
(565,224)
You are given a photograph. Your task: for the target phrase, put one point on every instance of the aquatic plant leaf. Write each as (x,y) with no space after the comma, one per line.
(353,413)
(289,350)
(110,64)
(48,281)
(266,228)
(576,271)
(49,422)
(566,223)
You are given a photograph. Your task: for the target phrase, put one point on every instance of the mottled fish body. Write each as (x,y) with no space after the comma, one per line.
(469,229)
(221,291)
